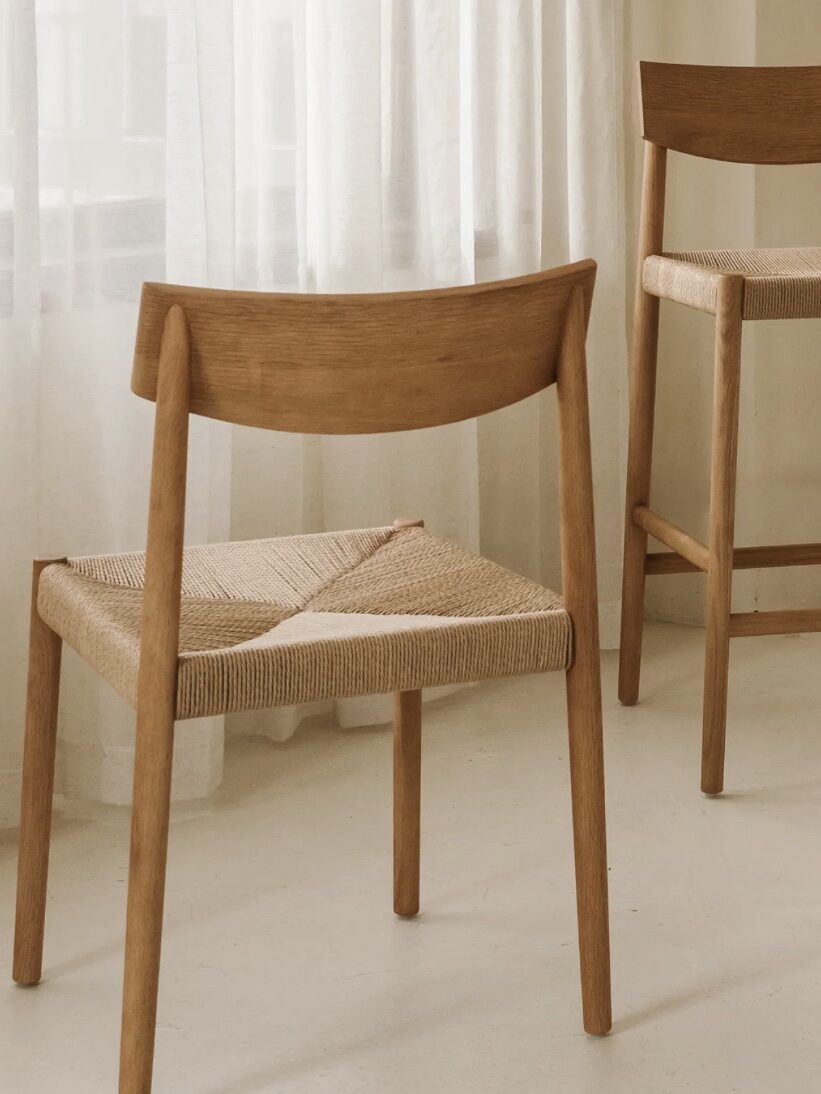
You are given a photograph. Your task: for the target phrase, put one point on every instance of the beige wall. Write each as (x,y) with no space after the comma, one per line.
(723,205)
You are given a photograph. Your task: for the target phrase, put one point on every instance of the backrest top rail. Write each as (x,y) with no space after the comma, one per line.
(363,362)
(740,114)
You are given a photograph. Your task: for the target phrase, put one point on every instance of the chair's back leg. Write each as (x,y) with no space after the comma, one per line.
(146,891)
(407,765)
(45,649)
(729,310)
(584,712)
(156,709)
(640,441)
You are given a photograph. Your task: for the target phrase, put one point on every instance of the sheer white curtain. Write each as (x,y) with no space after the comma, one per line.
(284,144)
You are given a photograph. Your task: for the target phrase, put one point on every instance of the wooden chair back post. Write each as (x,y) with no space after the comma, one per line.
(653,192)
(739,114)
(156,710)
(646,317)
(583,679)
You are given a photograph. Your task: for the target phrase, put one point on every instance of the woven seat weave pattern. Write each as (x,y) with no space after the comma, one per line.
(780,282)
(300,618)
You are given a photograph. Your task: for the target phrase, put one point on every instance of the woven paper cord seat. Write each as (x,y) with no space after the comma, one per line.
(780,283)
(280,621)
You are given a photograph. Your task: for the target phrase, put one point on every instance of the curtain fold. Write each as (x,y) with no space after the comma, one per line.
(304,145)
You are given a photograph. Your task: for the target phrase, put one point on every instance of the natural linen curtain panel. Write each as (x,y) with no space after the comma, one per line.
(330,145)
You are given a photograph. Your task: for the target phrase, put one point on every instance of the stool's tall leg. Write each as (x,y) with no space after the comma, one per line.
(642,409)
(729,310)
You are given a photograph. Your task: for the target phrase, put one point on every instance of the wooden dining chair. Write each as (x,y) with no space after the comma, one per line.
(186,632)
(743,115)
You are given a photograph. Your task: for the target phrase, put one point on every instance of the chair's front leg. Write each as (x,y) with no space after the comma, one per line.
(45,649)
(729,311)
(146,892)
(407,764)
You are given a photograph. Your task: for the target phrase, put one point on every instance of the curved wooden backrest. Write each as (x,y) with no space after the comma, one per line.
(367,363)
(743,115)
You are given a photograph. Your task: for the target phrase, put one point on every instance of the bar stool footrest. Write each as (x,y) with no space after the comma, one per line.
(749,624)
(744,558)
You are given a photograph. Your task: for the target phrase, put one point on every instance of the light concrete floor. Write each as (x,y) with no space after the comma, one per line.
(286,971)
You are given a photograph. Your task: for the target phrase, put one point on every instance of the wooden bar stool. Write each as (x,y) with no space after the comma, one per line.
(195,631)
(742,115)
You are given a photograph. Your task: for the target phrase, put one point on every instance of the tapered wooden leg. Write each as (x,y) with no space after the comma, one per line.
(584,713)
(729,310)
(146,892)
(407,765)
(642,412)
(156,708)
(45,648)
(589,838)
(639,458)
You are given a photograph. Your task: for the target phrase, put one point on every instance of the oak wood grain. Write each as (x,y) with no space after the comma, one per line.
(365,363)
(739,114)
